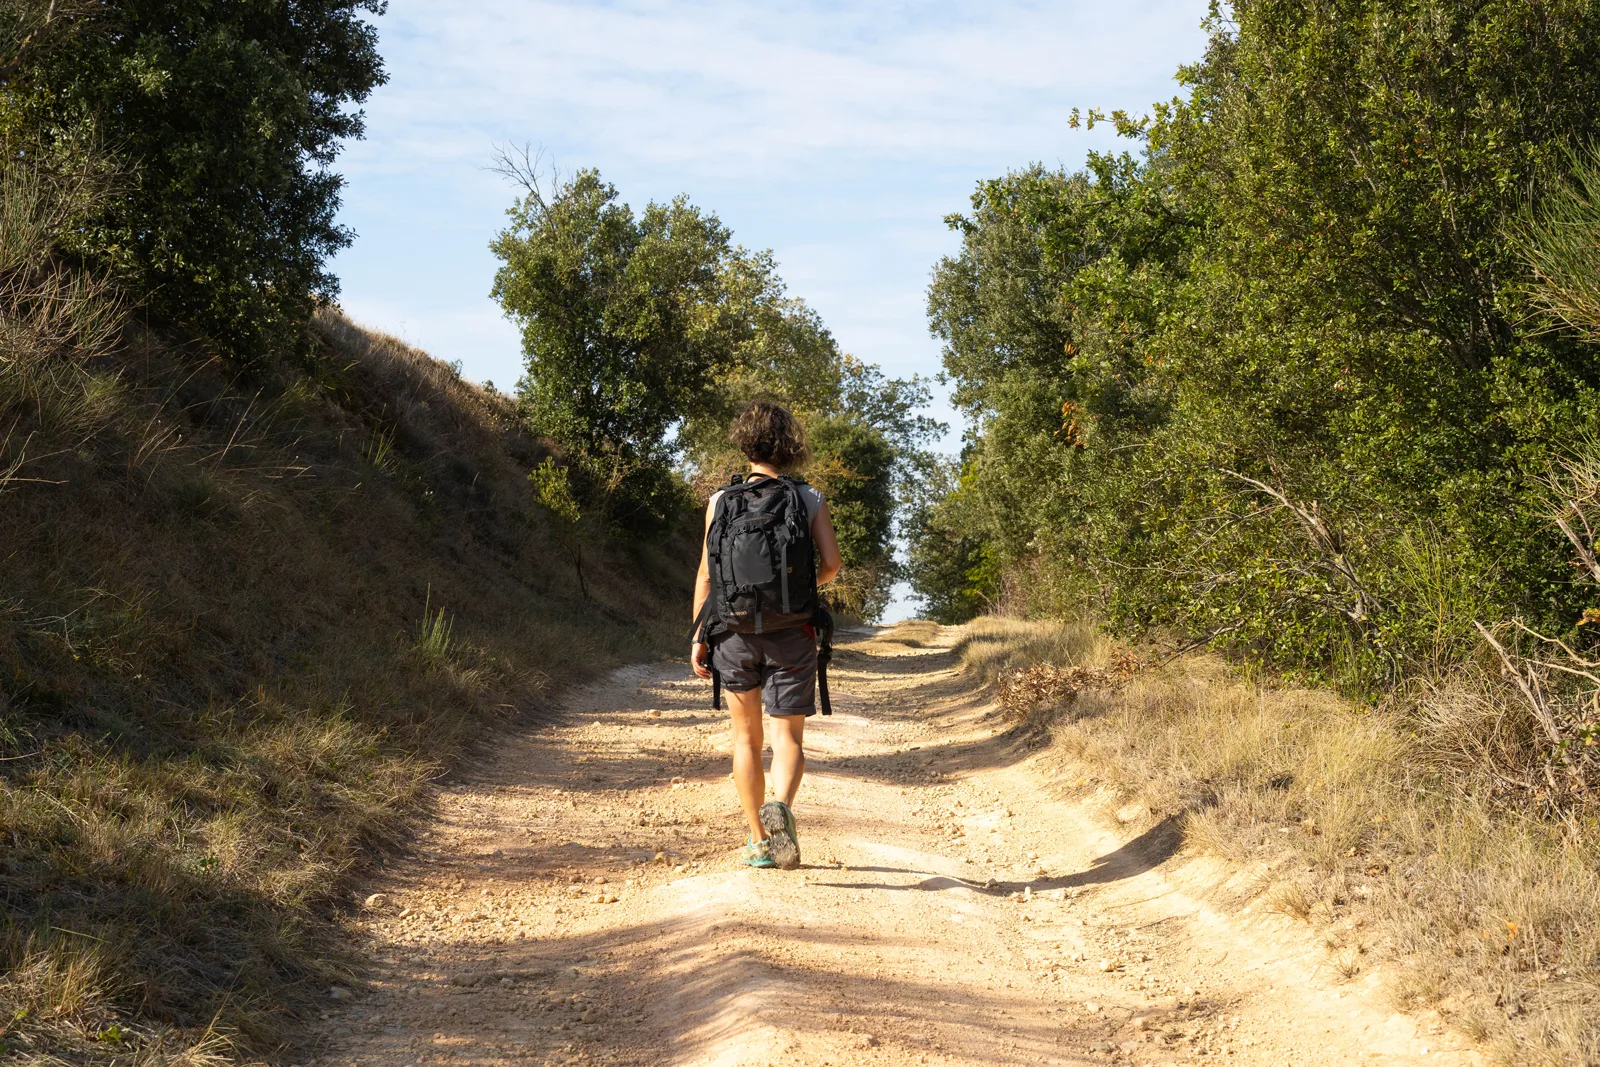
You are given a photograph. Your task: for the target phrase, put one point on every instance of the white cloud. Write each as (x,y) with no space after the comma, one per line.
(837,134)
(714,86)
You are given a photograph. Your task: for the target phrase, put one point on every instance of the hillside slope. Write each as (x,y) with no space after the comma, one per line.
(243,617)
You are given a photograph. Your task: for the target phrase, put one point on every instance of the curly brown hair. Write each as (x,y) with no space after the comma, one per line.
(768,434)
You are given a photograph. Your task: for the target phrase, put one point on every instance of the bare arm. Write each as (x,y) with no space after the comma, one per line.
(702,590)
(828,559)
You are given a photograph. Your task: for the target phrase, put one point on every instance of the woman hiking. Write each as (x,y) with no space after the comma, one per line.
(769,544)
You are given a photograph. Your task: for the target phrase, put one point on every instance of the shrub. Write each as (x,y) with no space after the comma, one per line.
(224,119)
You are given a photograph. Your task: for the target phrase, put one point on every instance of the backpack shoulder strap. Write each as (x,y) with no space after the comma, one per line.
(706,625)
(793,484)
(732,491)
(741,484)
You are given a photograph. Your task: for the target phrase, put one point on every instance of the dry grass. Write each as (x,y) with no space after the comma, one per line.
(225,678)
(995,644)
(1391,828)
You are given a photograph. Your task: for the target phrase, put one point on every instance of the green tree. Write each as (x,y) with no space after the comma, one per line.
(1047,315)
(1352,339)
(789,356)
(645,333)
(853,464)
(951,565)
(1250,384)
(223,118)
(629,323)
(868,436)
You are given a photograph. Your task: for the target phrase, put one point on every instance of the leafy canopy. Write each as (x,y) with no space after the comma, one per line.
(644,333)
(222,120)
(628,321)
(1256,383)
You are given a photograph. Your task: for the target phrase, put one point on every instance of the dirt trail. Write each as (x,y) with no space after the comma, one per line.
(579,901)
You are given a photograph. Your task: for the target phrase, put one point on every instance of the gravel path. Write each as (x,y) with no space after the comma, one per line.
(578,900)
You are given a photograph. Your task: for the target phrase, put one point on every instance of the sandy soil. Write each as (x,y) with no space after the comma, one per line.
(579,900)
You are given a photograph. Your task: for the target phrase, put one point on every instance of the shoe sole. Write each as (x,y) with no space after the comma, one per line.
(781,845)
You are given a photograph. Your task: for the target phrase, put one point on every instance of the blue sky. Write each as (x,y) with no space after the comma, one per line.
(838,135)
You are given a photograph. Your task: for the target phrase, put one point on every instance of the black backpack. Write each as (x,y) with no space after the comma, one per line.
(763,568)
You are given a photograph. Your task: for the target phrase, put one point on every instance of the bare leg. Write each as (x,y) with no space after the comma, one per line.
(745,711)
(788,755)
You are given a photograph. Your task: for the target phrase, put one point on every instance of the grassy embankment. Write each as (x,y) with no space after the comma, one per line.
(243,621)
(1401,832)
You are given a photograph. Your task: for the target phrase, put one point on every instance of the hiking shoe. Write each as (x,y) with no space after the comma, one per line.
(757,854)
(782,843)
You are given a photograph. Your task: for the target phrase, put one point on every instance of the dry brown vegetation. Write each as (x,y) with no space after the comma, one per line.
(1401,831)
(244,617)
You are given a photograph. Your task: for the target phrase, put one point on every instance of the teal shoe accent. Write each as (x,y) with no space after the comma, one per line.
(757,854)
(783,844)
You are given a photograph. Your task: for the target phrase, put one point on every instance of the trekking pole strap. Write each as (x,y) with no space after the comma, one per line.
(822,626)
(703,633)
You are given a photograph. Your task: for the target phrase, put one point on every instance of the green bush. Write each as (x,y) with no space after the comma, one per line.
(1272,383)
(223,119)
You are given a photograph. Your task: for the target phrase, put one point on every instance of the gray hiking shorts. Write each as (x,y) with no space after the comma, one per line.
(783,663)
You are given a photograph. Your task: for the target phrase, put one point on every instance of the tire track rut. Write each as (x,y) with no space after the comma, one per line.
(578,900)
